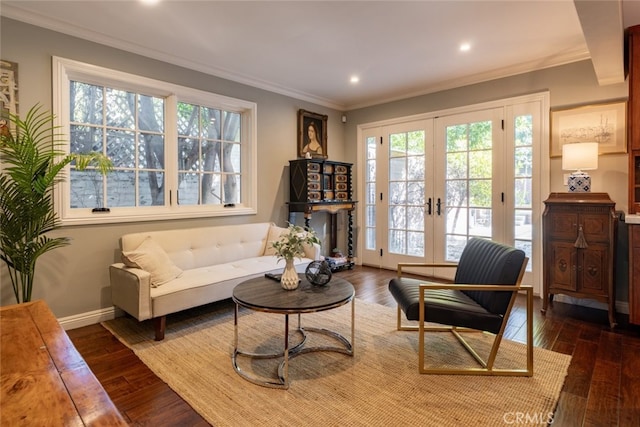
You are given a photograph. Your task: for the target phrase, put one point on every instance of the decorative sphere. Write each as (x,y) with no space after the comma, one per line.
(318,273)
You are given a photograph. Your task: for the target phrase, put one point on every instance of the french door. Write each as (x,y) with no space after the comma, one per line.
(430,185)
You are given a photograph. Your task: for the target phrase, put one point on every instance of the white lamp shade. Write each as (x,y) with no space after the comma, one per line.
(580,156)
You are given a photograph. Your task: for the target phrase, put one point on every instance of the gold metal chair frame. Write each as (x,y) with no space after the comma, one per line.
(486,367)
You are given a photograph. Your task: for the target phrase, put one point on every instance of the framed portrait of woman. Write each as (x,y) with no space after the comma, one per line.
(312,134)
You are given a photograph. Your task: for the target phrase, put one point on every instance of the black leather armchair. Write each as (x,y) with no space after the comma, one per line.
(487,281)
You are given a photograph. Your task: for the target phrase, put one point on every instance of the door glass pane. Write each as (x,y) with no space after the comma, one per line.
(468,185)
(406,193)
(370,201)
(523,164)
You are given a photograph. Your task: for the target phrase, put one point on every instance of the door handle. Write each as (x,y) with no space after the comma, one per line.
(438,204)
(429,206)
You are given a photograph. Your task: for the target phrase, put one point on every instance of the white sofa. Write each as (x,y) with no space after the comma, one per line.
(163,272)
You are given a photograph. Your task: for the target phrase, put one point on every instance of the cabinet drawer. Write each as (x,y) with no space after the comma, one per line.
(341,169)
(595,227)
(562,225)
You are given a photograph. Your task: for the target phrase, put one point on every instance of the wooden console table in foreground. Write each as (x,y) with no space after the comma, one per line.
(43,378)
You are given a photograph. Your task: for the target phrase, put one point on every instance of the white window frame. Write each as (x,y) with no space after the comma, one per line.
(66,70)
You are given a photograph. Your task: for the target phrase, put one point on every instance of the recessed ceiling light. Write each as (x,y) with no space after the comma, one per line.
(150,1)
(354,79)
(465,47)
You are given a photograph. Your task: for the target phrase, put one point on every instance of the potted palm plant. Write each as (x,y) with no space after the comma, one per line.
(32,163)
(290,245)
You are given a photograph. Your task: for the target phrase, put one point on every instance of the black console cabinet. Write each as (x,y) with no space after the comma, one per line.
(317,185)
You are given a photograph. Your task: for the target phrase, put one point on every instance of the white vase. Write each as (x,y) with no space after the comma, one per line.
(289,279)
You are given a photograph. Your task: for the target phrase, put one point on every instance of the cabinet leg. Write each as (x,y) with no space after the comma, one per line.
(350,235)
(612,316)
(546,302)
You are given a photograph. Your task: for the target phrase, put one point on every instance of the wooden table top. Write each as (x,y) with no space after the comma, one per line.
(43,378)
(267,295)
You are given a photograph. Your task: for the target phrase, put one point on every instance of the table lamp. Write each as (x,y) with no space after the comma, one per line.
(579,157)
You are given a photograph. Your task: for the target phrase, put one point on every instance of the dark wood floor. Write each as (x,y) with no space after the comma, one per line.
(602,387)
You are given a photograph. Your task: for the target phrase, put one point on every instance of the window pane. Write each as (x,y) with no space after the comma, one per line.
(188,120)
(210,156)
(231,188)
(231,157)
(397,193)
(188,189)
(456,165)
(416,167)
(119,104)
(415,243)
(231,131)
(480,164)
(86,103)
(151,114)
(480,135)
(480,192)
(397,216)
(415,218)
(151,151)
(371,170)
(210,123)
(211,189)
(121,188)
(151,188)
(397,241)
(86,189)
(415,193)
(84,139)
(397,168)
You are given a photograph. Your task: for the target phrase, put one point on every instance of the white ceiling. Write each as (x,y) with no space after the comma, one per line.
(310,49)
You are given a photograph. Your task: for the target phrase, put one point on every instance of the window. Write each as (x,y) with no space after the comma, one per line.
(177,152)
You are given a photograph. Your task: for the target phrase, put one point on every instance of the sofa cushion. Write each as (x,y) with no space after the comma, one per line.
(242,269)
(273,236)
(149,256)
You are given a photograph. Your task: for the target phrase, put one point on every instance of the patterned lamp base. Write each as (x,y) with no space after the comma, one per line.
(579,182)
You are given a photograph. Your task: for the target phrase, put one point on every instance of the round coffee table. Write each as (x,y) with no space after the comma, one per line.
(266,295)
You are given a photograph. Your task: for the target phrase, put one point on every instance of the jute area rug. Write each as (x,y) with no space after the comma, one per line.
(379,386)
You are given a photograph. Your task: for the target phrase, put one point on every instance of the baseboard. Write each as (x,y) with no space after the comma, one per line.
(621,306)
(97,316)
(89,318)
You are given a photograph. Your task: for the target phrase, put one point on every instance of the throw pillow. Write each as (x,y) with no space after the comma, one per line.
(150,256)
(273,236)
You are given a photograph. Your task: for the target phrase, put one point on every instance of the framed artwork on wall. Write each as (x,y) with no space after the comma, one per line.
(8,88)
(601,123)
(312,134)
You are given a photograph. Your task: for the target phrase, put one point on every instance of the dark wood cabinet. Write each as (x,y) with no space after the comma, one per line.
(633,141)
(318,185)
(633,119)
(634,273)
(579,243)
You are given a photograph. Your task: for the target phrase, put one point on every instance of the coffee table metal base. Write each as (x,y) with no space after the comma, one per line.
(346,347)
